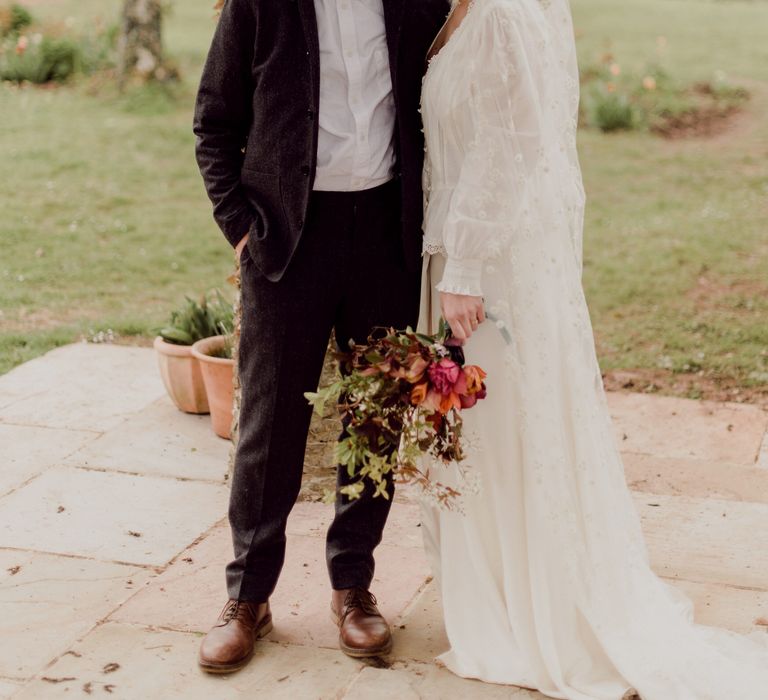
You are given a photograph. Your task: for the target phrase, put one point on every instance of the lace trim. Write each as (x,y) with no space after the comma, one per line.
(464,289)
(431,248)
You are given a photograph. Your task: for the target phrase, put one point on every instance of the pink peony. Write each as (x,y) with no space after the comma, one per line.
(444,375)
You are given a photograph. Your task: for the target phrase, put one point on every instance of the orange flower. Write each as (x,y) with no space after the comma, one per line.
(615,69)
(432,401)
(475,376)
(416,368)
(649,82)
(450,401)
(419,393)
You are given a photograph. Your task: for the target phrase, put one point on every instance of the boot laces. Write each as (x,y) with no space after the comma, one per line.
(231,610)
(361,599)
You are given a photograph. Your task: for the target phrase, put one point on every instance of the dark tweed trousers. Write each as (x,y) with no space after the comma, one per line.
(349,275)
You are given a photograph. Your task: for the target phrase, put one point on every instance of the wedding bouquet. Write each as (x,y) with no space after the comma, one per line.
(401,396)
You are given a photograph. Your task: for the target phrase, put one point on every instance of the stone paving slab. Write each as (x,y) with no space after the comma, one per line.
(27,451)
(706,540)
(681,428)
(47,602)
(8,688)
(162,664)
(81,386)
(419,634)
(159,440)
(190,593)
(696,478)
(413,681)
(742,610)
(697,469)
(762,459)
(108,516)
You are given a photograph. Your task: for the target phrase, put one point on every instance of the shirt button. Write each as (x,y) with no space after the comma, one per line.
(305,170)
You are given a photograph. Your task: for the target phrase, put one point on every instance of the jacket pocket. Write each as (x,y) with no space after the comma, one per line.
(264,193)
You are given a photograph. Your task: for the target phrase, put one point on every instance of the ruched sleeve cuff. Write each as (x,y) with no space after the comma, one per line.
(462,276)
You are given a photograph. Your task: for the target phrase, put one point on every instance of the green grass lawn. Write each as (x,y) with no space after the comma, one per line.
(105,223)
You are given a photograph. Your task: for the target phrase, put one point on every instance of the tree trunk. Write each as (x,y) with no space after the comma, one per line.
(140,45)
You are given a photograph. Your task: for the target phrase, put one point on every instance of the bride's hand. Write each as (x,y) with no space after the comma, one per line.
(463,313)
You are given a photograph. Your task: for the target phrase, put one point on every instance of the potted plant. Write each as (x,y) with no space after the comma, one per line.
(215,357)
(179,368)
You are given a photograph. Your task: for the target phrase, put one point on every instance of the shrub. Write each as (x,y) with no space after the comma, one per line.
(40,60)
(610,111)
(653,100)
(14,18)
(43,53)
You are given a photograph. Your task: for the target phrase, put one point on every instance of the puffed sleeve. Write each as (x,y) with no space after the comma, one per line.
(498,128)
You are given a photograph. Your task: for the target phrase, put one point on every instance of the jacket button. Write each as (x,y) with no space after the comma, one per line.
(300,223)
(305,170)
(310,114)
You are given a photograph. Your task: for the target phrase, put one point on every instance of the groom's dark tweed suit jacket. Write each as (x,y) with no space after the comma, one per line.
(256,120)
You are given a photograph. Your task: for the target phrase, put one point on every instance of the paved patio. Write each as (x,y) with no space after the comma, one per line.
(113,542)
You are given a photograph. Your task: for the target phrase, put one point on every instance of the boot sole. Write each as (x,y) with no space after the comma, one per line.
(357,653)
(264,628)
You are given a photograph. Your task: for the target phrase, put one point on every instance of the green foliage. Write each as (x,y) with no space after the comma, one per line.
(653,100)
(609,111)
(39,60)
(118,205)
(401,395)
(98,51)
(21,17)
(195,320)
(13,19)
(50,53)
(225,352)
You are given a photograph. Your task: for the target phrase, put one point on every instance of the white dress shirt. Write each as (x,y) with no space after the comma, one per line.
(355,149)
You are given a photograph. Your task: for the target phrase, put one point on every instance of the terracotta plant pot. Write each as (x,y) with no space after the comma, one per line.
(182,377)
(217,375)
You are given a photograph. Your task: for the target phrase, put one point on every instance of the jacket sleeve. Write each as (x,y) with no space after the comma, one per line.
(223,115)
(499,127)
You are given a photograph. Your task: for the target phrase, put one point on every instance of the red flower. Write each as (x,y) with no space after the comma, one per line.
(444,375)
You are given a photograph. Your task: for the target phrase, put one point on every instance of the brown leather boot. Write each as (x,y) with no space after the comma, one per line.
(229,645)
(362,630)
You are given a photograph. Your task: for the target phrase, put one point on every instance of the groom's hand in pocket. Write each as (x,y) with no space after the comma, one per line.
(240,245)
(463,313)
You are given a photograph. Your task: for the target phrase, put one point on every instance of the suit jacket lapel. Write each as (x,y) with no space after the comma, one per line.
(309,23)
(393,20)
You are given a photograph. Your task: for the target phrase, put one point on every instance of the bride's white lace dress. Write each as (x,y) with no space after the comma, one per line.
(545,579)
